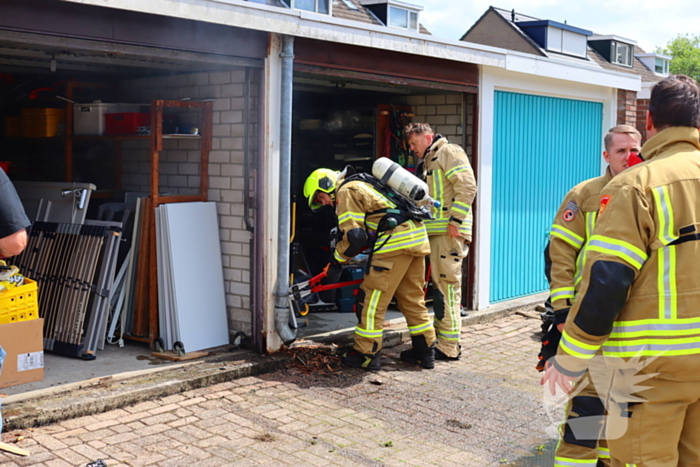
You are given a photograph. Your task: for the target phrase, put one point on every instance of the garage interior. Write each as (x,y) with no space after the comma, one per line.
(342,119)
(39,75)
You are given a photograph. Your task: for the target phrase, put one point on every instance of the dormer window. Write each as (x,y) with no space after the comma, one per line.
(616,50)
(557,37)
(402,18)
(317,6)
(394,13)
(661,66)
(621,53)
(655,62)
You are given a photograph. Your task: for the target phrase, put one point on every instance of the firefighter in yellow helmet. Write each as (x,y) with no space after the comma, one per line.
(396,269)
(638,297)
(451,182)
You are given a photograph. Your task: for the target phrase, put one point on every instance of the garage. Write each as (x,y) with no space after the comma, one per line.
(174,107)
(349,107)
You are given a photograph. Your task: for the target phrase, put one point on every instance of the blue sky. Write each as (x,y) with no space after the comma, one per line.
(650,22)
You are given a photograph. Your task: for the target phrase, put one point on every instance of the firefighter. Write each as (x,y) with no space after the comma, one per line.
(564,259)
(638,296)
(451,182)
(396,267)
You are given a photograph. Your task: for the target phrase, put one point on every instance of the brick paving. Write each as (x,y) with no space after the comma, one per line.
(485,409)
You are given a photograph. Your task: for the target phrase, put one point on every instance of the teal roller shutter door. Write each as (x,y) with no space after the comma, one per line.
(542,147)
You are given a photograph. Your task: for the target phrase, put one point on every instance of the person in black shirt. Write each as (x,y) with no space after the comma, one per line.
(13,219)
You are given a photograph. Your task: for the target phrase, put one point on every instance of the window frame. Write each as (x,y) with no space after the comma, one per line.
(408,14)
(614,45)
(329,4)
(664,66)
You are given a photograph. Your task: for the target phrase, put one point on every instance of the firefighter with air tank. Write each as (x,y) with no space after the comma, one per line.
(370,218)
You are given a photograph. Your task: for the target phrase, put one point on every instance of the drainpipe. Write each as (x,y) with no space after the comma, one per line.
(283,314)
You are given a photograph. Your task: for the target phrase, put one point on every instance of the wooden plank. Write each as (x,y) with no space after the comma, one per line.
(170,355)
(13,449)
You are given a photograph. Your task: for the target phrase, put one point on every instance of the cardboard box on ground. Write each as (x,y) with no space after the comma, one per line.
(24,343)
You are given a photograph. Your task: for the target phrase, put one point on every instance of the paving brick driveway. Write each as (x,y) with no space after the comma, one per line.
(483,410)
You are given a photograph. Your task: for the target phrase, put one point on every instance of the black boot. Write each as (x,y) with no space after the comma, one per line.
(421,354)
(365,361)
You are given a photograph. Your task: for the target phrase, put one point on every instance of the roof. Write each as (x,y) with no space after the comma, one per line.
(343,11)
(512,17)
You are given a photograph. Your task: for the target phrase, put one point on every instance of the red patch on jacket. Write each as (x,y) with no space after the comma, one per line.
(568,215)
(604,200)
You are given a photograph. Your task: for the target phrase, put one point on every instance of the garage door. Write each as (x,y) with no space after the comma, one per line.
(543,146)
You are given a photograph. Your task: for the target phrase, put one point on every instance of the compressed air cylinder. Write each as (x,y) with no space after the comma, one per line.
(392,174)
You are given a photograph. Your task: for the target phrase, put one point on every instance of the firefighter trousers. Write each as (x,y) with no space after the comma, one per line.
(446,255)
(663,430)
(580,437)
(401,276)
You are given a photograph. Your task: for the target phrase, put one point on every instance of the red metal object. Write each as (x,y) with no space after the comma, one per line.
(126,123)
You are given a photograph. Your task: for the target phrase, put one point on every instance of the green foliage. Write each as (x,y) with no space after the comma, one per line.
(685,50)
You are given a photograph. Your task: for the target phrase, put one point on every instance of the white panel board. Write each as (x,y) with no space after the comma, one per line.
(197,275)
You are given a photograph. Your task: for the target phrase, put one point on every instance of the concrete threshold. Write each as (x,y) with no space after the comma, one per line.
(97,395)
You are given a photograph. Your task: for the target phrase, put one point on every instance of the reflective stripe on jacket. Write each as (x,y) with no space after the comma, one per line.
(355,201)
(450,179)
(640,294)
(571,228)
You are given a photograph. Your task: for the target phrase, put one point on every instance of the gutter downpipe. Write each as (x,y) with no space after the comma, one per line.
(283,314)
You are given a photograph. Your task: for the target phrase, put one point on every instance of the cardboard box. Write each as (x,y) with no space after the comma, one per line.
(24,343)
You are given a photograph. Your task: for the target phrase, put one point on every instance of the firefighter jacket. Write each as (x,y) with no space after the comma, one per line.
(639,294)
(571,229)
(357,206)
(451,182)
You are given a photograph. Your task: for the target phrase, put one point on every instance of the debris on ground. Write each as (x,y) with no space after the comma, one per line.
(528,314)
(310,357)
(458,424)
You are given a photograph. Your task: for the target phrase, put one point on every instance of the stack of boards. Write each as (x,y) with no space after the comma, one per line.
(191,295)
(74,267)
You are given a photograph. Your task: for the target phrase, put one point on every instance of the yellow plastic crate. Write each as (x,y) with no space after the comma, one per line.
(20,303)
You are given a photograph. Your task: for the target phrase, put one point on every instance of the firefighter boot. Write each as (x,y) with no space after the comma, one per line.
(355,359)
(421,353)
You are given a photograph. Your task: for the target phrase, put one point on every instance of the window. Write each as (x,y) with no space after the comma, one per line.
(401,18)
(398,17)
(661,66)
(621,54)
(413,20)
(350,5)
(317,6)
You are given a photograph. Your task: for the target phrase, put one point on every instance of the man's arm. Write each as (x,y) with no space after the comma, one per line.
(351,222)
(616,252)
(566,238)
(459,173)
(13,220)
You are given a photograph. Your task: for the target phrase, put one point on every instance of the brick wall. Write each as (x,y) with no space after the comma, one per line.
(179,166)
(642,107)
(626,107)
(445,114)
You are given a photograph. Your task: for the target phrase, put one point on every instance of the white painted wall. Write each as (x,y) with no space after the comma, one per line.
(496,79)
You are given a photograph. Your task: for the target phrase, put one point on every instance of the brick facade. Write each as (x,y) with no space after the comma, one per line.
(642,107)
(445,114)
(626,107)
(179,166)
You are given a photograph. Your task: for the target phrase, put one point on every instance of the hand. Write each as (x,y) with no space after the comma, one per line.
(560,327)
(453,230)
(555,378)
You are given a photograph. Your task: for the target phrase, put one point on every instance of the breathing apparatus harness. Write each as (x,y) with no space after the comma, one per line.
(404,211)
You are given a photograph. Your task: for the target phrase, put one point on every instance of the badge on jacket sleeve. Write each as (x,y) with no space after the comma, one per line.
(604,200)
(570,212)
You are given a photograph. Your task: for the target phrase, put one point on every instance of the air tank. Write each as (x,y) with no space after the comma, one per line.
(401,180)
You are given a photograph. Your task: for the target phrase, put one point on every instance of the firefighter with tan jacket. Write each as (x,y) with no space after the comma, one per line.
(639,293)
(564,260)
(451,182)
(398,246)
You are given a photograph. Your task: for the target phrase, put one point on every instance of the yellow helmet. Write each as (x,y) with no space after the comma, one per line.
(320,180)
